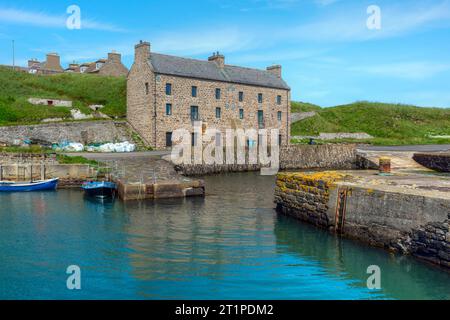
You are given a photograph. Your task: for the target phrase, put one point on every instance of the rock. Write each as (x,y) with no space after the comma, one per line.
(78,115)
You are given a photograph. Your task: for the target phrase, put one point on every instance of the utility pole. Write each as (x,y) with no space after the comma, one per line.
(14,56)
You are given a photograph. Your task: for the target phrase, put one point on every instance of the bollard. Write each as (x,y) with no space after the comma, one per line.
(385,165)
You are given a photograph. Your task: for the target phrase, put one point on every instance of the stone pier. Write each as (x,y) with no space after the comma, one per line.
(403,213)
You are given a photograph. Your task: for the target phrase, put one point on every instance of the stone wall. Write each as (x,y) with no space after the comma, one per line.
(82,131)
(337,136)
(397,221)
(329,156)
(435,161)
(69,174)
(333,156)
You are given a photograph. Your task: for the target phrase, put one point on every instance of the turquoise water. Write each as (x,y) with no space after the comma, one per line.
(229,245)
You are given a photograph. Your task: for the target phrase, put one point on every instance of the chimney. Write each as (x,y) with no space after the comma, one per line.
(275,70)
(114,56)
(53,62)
(142,51)
(32,62)
(218,59)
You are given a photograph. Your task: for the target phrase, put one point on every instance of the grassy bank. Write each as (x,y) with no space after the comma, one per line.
(61,158)
(389,124)
(82,89)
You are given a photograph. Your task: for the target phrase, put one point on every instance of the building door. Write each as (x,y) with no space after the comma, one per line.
(168,139)
(194,113)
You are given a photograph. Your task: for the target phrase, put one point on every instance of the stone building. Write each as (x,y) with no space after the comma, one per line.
(112,66)
(52,64)
(165,93)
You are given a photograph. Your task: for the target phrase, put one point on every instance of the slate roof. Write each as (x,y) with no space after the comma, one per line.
(208,70)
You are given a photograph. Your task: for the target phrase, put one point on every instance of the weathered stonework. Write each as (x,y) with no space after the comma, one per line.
(77,131)
(147,99)
(293,156)
(404,221)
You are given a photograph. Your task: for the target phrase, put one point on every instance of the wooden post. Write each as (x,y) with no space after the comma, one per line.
(42,170)
(31,173)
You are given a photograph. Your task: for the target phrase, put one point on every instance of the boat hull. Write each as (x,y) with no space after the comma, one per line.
(100,189)
(45,185)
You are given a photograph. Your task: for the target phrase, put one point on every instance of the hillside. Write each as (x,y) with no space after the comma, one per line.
(83,90)
(388,123)
(391,124)
(298,106)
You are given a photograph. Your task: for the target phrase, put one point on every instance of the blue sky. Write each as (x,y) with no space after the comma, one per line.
(328,54)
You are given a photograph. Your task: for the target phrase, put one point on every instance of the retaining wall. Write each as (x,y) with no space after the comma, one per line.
(295,156)
(78,131)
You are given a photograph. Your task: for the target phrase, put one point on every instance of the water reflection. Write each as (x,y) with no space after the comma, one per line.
(229,245)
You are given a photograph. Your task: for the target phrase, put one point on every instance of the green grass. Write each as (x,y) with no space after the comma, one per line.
(83,89)
(63,159)
(389,124)
(298,106)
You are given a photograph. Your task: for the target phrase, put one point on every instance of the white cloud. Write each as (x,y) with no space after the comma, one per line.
(42,19)
(417,70)
(204,40)
(350,25)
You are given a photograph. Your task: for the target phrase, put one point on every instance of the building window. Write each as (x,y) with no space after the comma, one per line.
(241,113)
(241,96)
(168,89)
(168,139)
(194,91)
(217,93)
(168,109)
(146,88)
(280,139)
(194,113)
(278,100)
(260,98)
(260,119)
(218,113)
(279,115)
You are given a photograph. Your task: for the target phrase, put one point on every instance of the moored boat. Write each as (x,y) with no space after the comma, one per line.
(99,189)
(41,185)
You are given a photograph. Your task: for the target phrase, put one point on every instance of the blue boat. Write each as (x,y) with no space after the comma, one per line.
(42,185)
(100,189)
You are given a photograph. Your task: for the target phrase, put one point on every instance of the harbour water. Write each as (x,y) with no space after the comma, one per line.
(229,245)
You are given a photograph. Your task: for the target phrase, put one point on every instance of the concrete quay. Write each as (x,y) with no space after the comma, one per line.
(406,213)
(141,176)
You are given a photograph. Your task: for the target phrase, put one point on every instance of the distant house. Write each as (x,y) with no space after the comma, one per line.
(112,66)
(52,64)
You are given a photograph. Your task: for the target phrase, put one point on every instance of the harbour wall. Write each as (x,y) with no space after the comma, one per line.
(394,219)
(294,156)
(70,175)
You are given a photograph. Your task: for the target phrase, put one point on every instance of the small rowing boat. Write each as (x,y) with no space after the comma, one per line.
(99,189)
(41,185)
